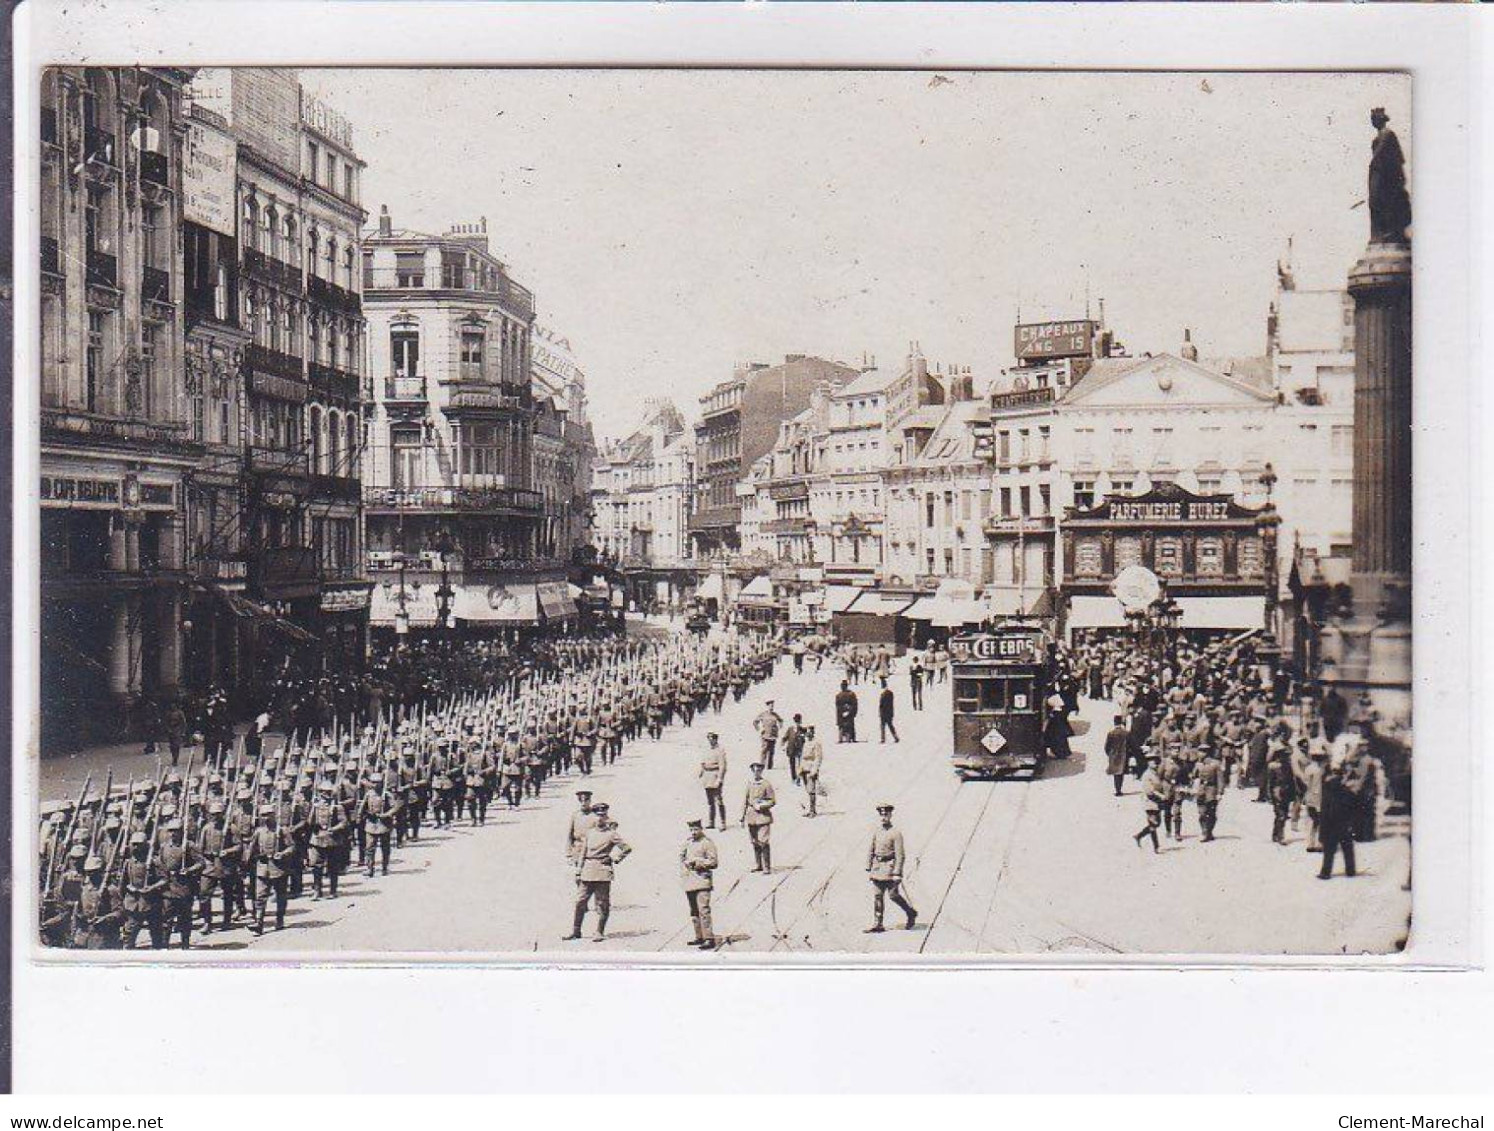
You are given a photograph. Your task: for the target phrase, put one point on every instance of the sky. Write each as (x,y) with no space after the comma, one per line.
(673,224)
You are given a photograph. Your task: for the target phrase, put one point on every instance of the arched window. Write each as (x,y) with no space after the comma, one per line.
(251,223)
(314,338)
(404,349)
(331,273)
(332,344)
(334,446)
(347,269)
(351,423)
(313,241)
(272,316)
(292,327)
(291,256)
(272,232)
(350,348)
(318,447)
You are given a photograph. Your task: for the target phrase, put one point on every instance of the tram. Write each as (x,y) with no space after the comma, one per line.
(1001,683)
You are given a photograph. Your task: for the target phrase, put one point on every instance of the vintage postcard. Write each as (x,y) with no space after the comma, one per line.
(723,516)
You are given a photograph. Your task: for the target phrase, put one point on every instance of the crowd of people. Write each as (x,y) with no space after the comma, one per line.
(1194,723)
(269,818)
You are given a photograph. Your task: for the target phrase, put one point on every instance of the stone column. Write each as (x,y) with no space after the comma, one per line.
(169,635)
(1368,653)
(119,650)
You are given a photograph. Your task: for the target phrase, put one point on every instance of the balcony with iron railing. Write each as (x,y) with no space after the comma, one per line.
(470,397)
(221,568)
(333,382)
(68,425)
(263,359)
(396,500)
(278,568)
(405,390)
(257,265)
(342,488)
(278,461)
(328,293)
(518,298)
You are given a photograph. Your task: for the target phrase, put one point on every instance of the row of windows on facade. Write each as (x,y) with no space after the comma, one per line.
(1212,441)
(331,440)
(276,323)
(459,272)
(322,167)
(483,450)
(1167,556)
(275,234)
(404,353)
(980,566)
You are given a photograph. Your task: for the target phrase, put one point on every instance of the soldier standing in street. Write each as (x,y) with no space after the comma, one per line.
(884,863)
(810,766)
(698,861)
(757,815)
(793,746)
(375,813)
(713,778)
(768,725)
(582,822)
(1155,787)
(600,850)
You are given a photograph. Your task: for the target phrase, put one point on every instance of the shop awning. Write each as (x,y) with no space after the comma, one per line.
(498,604)
(1222,613)
(922,609)
(879,604)
(1096,612)
(555,602)
(947,612)
(249,610)
(838,597)
(758,591)
(710,588)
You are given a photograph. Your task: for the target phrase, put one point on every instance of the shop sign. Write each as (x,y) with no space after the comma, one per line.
(1039,340)
(1172,510)
(89,493)
(208,178)
(344,600)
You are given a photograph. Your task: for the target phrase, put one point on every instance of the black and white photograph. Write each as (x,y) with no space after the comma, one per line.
(716,516)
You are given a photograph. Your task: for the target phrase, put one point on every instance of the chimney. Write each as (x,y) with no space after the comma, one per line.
(1189,351)
(386,225)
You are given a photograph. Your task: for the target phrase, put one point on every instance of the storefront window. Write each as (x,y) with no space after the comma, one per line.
(1169,557)
(1210,557)
(1127,552)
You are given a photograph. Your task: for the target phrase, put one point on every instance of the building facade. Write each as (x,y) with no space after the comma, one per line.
(456,526)
(117,446)
(740,423)
(847,488)
(563,472)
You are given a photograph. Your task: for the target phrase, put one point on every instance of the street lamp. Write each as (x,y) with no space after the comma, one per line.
(1267,523)
(402,599)
(444,592)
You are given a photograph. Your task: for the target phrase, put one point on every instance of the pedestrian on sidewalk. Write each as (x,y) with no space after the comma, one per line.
(793,746)
(846,706)
(1117,752)
(915,683)
(1280,788)
(809,768)
(884,863)
(1337,823)
(886,706)
(698,862)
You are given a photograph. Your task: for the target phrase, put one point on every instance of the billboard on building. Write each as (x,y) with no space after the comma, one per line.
(208,178)
(1038,341)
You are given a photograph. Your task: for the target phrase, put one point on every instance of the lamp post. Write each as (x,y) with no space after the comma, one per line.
(1267,523)
(444,593)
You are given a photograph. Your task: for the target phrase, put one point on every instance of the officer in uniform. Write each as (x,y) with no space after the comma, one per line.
(768,725)
(884,863)
(698,862)
(713,778)
(1156,788)
(811,762)
(1208,786)
(597,854)
(757,815)
(582,822)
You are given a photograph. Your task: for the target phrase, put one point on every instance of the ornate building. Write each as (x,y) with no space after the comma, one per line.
(117,444)
(457,530)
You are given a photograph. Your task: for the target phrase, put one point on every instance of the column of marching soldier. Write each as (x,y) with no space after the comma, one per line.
(159,859)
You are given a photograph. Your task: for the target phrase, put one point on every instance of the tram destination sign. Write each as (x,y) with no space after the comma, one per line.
(1011,647)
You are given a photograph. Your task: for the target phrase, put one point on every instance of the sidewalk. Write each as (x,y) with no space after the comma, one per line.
(62,775)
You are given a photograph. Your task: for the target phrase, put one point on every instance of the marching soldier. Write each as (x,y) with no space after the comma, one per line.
(270,852)
(220,855)
(140,894)
(329,826)
(181,866)
(1208,787)
(98,920)
(757,815)
(376,814)
(884,863)
(713,778)
(599,851)
(698,862)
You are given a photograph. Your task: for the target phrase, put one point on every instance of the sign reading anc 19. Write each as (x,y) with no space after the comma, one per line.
(1037,341)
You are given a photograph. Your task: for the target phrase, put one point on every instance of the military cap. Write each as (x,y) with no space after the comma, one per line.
(884,808)
(267,810)
(173,826)
(376,777)
(77,850)
(583,793)
(93,864)
(215,807)
(755,765)
(327,787)
(600,807)
(139,837)
(693,823)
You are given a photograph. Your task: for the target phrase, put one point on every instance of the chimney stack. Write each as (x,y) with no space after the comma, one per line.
(386,225)
(1189,351)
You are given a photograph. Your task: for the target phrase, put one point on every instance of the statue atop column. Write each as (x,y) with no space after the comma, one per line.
(1389,205)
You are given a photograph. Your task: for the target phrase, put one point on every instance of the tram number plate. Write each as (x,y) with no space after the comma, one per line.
(993,740)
